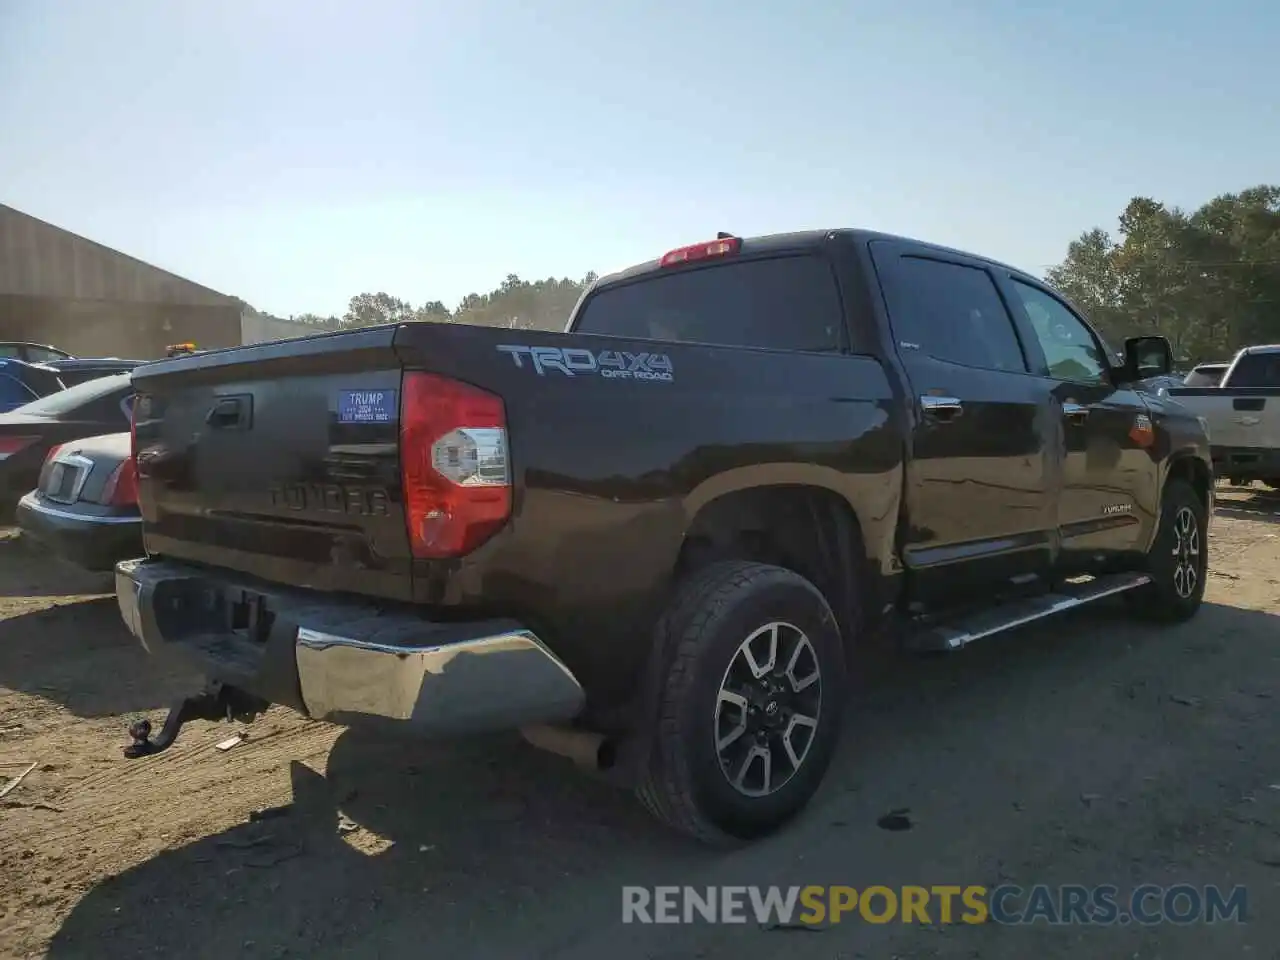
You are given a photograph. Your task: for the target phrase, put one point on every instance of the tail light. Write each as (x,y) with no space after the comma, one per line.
(453,463)
(121,488)
(133,430)
(722,247)
(11,445)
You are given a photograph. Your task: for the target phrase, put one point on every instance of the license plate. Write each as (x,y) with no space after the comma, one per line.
(65,481)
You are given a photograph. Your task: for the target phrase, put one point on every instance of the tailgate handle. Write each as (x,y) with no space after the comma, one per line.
(1248,403)
(230,413)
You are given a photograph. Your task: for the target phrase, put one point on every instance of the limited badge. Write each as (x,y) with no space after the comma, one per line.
(1143,432)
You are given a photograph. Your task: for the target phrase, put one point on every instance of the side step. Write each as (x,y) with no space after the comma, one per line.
(954,634)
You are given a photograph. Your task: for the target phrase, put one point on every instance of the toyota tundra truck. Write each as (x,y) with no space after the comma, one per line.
(655,541)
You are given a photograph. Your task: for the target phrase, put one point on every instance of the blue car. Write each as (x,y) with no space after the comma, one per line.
(20,383)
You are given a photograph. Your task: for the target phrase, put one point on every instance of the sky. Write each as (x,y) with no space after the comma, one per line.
(295,153)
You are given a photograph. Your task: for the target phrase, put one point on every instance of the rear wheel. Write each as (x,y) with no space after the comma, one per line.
(1178,561)
(750,710)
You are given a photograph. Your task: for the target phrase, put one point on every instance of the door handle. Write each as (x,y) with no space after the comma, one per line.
(941,408)
(1075,412)
(229,413)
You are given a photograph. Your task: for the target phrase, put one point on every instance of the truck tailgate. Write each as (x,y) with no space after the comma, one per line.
(279,460)
(1237,416)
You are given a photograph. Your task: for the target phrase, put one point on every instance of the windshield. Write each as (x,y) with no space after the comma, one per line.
(65,401)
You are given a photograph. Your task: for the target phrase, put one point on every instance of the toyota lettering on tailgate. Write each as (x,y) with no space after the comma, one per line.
(610,364)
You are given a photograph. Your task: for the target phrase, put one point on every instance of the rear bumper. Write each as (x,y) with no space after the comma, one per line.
(95,542)
(344,661)
(1246,463)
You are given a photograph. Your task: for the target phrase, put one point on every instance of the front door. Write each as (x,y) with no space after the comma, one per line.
(983,464)
(1109,478)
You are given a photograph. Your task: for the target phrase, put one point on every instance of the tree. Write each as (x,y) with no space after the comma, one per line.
(369,309)
(1208,280)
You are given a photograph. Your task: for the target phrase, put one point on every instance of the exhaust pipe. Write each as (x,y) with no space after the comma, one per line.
(594,751)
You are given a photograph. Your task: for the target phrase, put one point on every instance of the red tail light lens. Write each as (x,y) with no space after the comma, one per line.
(701,251)
(453,464)
(121,488)
(11,445)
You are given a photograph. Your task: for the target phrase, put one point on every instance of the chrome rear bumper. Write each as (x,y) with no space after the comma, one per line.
(343,661)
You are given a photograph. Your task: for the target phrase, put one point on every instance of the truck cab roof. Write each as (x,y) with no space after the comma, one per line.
(803,240)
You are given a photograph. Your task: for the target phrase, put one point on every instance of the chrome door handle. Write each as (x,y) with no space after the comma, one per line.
(941,408)
(1075,411)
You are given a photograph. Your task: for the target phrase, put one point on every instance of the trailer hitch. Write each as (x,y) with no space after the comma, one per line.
(218,702)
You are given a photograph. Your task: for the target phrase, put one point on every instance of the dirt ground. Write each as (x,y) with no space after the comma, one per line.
(1092,750)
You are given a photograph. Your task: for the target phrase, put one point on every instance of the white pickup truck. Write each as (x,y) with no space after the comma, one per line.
(1242,415)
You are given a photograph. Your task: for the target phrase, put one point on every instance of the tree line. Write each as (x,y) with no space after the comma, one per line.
(514,304)
(1208,279)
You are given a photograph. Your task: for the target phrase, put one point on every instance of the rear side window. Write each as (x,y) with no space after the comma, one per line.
(951,312)
(785,303)
(1256,370)
(71,402)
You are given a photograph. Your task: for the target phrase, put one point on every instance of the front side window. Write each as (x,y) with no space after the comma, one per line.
(952,312)
(1069,346)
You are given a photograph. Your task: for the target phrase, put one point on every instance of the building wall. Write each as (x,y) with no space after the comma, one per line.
(98,328)
(38,259)
(77,295)
(258,329)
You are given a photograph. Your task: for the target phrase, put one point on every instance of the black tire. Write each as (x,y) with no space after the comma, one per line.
(1172,559)
(713,613)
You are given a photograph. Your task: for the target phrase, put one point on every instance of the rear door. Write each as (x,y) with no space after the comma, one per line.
(1109,483)
(983,467)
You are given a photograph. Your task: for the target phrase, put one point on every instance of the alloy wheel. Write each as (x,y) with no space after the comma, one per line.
(767,710)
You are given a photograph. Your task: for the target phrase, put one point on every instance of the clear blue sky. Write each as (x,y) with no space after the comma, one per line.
(296,152)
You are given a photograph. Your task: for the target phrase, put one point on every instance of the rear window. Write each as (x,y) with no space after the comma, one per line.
(1256,370)
(1204,377)
(784,303)
(73,398)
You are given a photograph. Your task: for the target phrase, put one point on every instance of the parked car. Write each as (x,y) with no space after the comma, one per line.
(29,432)
(1206,375)
(1242,415)
(31,352)
(80,369)
(22,382)
(85,505)
(651,541)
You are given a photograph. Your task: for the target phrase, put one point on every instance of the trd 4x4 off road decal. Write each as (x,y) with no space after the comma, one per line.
(610,364)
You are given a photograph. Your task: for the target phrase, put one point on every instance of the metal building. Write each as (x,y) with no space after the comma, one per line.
(91,301)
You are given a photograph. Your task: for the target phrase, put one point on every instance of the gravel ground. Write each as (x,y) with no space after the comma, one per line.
(1091,750)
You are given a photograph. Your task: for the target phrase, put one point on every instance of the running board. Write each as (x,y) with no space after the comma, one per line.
(954,634)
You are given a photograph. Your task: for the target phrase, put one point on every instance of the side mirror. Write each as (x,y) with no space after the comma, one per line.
(1147,357)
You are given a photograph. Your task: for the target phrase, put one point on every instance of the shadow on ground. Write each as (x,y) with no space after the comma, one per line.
(81,656)
(30,571)
(1257,504)
(488,848)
